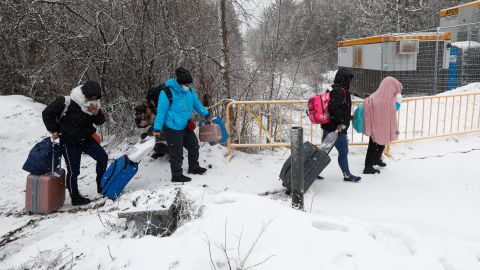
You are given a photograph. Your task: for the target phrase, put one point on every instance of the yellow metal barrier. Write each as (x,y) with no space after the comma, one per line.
(266,124)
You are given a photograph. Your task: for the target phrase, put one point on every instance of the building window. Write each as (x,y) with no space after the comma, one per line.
(407,47)
(357,57)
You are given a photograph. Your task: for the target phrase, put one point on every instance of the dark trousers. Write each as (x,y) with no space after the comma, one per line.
(374,153)
(73,156)
(342,147)
(176,140)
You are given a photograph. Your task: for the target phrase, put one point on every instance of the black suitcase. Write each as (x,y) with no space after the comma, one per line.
(315,160)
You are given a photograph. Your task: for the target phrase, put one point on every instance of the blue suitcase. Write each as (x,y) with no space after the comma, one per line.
(117,176)
(218,120)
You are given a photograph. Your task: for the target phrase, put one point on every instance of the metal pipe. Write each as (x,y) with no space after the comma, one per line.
(451,115)
(239,130)
(423,117)
(260,122)
(282,138)
(270,123)
(430,117)
(435,72)
(229,140)
(459,113)
(466,112)
(478,124)
(438,115)
(445,116)
(473,111)
(249,125)
(414,119)
(406,121)
(297,167)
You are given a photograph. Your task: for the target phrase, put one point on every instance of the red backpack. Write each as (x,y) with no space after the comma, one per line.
(318,108)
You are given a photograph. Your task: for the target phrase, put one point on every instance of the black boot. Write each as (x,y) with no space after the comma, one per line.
(181,179)
(370,170)
(380,163)
(352,178)
(78,199)
(198,170)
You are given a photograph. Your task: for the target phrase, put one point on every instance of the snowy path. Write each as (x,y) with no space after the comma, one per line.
(421,212)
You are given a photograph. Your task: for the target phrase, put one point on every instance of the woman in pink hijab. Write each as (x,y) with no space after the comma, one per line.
(380,120)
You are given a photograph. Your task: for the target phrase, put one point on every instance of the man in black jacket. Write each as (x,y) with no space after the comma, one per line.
(72,119)
(340,109)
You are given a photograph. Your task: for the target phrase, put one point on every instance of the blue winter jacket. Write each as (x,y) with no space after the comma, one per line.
(177,114)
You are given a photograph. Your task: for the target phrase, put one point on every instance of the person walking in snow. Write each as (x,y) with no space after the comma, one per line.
(175,120)
(340,109)
(72,119)
(380,120)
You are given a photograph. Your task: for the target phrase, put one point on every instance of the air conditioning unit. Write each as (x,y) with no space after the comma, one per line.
(407,47)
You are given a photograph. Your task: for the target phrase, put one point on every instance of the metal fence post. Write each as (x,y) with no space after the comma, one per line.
(297,167)
(435,68)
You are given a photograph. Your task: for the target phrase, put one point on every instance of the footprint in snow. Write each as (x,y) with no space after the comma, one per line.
(225,200)
(344,262)
(394,240)
(329,226)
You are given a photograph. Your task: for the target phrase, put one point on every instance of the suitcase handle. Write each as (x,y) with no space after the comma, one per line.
(53,159)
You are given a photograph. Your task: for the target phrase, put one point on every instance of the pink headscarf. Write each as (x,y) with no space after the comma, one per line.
(380,116)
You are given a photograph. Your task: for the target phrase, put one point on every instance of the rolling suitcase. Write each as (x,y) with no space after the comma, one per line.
(315,160)
(117,176)
(45,192)
(124,168)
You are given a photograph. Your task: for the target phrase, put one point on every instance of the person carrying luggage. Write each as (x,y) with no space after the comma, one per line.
(72,119)
(380,121)
(340,109)
(145,116)
(175,120)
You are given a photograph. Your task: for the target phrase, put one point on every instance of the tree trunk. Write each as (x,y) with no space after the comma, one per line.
(225,50)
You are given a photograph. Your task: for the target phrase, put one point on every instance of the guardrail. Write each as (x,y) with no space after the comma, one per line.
(266,124)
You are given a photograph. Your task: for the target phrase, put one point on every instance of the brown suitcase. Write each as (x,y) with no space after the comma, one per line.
(45,193)
(210,133)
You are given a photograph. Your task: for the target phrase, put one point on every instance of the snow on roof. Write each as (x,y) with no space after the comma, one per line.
(465,45)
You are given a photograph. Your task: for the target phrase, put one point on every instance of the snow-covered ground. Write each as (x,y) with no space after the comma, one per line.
(421,212)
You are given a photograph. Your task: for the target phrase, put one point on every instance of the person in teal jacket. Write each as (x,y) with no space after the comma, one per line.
(174,118)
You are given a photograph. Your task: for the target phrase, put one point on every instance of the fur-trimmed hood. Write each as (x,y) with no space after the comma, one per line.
(78,97)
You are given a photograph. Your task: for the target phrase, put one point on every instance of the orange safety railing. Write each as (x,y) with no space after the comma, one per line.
(266,124)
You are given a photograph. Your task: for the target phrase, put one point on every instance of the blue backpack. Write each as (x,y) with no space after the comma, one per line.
(117,176)
(43,157)
(358,119)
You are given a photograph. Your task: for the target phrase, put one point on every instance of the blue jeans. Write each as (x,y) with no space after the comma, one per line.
(73,155)
(342,148)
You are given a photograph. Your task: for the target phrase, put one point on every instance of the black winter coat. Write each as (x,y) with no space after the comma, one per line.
(340,105)
(75,126)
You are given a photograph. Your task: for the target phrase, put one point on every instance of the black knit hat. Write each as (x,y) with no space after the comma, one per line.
(91,88)
(343,77)
(183,76)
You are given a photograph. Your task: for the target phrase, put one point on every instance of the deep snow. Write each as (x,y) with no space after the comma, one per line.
(421,212)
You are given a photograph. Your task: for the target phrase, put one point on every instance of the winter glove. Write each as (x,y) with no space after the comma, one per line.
(97,138)
(191,125)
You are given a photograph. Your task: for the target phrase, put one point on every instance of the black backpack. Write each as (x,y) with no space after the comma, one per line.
(153,94)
